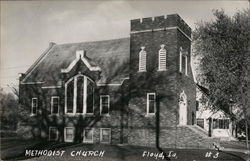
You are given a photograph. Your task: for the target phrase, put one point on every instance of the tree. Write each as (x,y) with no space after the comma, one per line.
(223,46)
(8,110)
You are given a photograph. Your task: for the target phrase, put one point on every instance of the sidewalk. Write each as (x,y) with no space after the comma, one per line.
(236,150)
(235,146)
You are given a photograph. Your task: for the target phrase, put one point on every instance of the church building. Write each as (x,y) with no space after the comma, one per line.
(137,90)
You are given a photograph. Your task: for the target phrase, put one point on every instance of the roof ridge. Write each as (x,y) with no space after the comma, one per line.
(32,67)
(94,41)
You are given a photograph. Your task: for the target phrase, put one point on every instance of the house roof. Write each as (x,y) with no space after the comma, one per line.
(112,56)
(203,89)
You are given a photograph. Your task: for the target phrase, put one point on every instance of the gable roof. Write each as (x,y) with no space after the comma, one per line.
(204,90)
(112,56)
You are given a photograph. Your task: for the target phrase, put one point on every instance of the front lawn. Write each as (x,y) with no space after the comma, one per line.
(17,149)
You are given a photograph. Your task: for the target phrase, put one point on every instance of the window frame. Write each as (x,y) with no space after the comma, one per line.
(162,67)
(93,90)
(221,123)
(180,60)
(65,130)
(92,136)
(101,135)
(186,65)
(52,107)
(101,105)
(74,79)
(141,56)
(57,133)
(32,106)
(151,114)
(199,120)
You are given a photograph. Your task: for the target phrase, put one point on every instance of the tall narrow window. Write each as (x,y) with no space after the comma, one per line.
(80,94)
(180,60)
(53,134)
(162,58)
(70,96)
(69,134)
(186,64)
(150,103)
(142,60)
(54,105)
(88,136)
(105,135)
(183,64)
(34,106)
(90,97)
(104,103)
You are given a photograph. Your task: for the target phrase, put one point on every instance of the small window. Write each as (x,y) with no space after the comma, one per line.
(200,122)
(142,60)
(221,123)
(34,106)
(162,58)
(150,103)
(54,105)
(69,134)
(104,103)
(197,105)
(105,135)
(88,136)
(90,97)
(53,134)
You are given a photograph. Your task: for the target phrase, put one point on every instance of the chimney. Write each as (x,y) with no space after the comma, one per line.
(79,54)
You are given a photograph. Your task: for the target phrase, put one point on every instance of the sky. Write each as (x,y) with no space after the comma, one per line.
(27,27)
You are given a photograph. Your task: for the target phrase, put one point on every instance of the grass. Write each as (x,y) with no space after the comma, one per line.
(14,149)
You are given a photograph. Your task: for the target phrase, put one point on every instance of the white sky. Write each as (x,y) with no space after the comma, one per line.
(27,27)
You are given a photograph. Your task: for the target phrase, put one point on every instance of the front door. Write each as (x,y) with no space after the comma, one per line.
(183,109)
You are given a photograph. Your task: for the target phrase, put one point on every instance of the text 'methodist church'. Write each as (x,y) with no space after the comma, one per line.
(137,90)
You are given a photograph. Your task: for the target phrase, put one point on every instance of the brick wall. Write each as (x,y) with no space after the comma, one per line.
(43,120)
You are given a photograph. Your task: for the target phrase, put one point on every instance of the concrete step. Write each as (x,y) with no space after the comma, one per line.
(199,131)
(193,135)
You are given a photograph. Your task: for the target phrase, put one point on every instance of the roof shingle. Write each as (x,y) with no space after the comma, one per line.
(112,56)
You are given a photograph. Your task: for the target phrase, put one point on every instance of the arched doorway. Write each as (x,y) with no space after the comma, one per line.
(183,109)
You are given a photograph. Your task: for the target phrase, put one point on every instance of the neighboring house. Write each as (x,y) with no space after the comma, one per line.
(137,90)
(216,123)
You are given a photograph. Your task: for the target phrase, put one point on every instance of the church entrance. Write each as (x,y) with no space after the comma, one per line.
(183,109)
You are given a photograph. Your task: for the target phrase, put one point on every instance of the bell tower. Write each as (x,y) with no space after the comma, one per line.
(155,44)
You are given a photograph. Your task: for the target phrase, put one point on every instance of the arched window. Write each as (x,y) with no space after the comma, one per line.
(183,63)
(90,97)
(79,95)
(186,64)
(162,58)
(142,60)
(180,61)
(69,97)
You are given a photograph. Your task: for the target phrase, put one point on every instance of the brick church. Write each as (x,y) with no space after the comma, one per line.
(138,90)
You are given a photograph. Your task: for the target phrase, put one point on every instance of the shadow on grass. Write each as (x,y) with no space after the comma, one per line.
(233,155)
(157,122)
(39,146)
